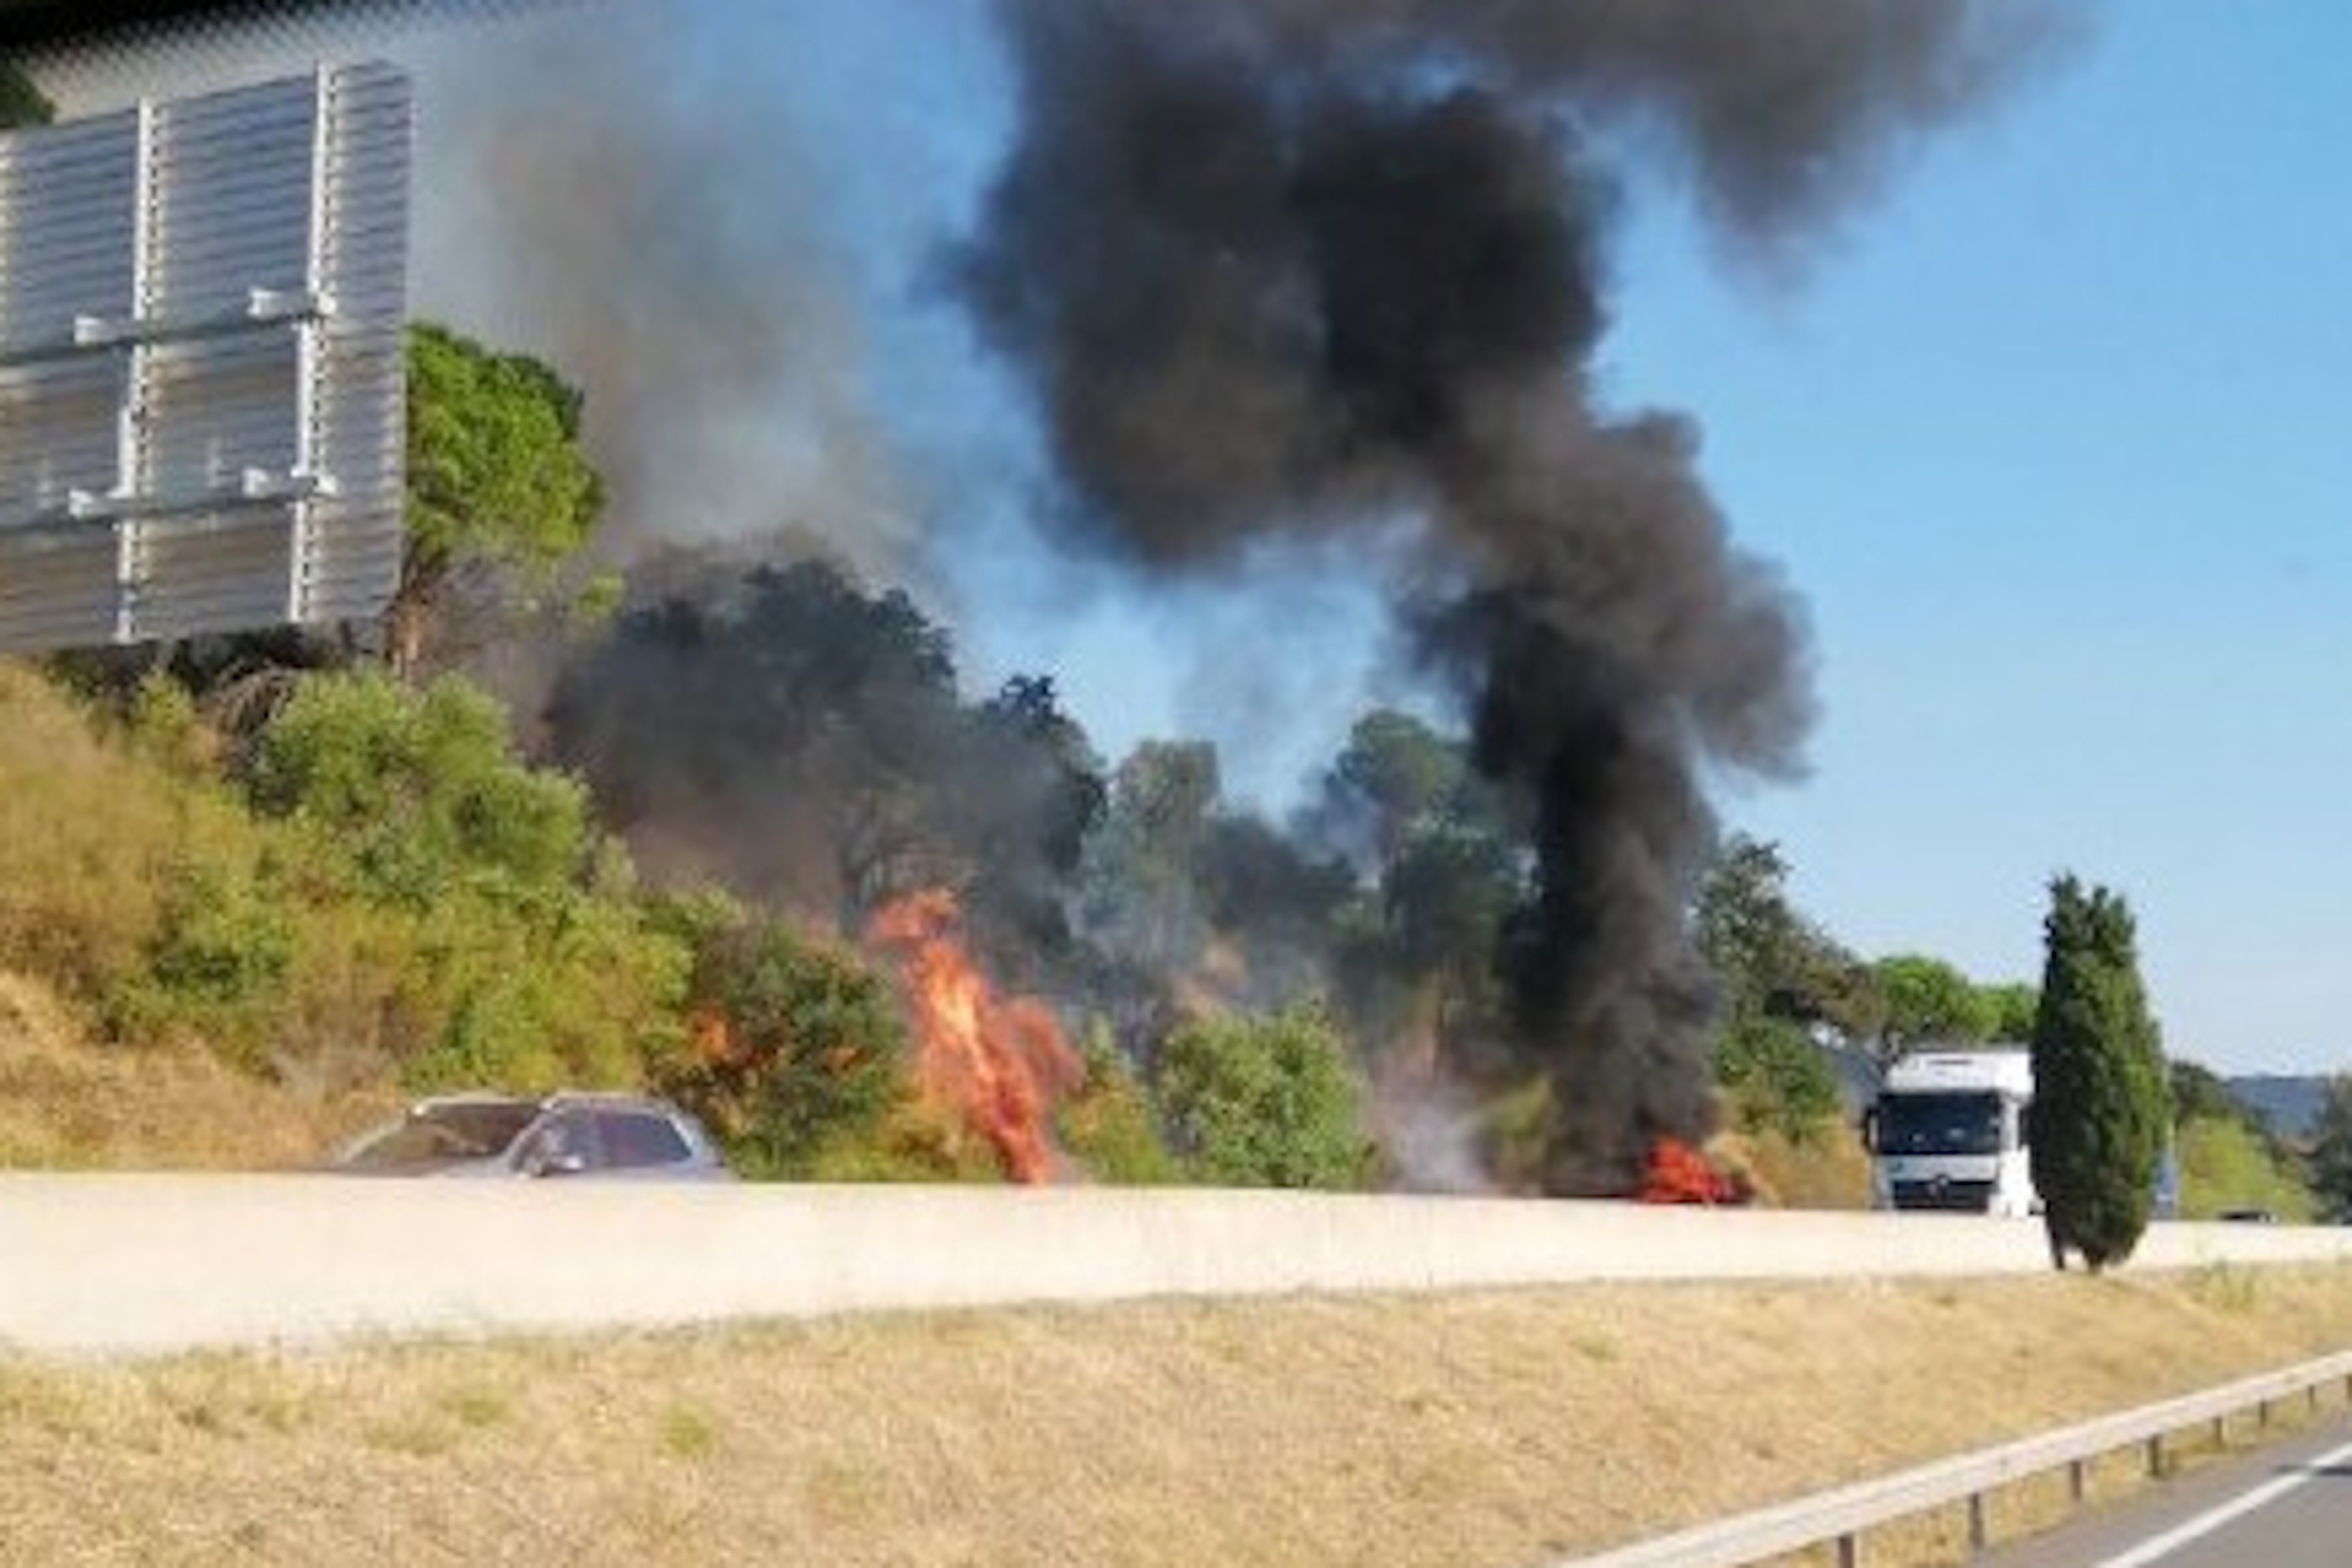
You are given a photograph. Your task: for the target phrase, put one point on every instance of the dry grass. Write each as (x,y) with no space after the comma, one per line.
(1500,1428)
(66,1103)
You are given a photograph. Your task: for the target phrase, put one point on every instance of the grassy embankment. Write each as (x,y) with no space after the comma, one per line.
(1498,1427)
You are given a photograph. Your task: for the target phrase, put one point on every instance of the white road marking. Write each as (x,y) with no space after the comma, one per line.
(2162,1546)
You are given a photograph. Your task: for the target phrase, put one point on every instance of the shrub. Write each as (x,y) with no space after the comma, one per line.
(510,954)
(1107,1127)
(418,792)
(1780,1081)
(797,1053)
(1267,1101)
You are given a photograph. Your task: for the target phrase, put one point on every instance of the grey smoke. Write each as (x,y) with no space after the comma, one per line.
(1289,268)
(649,220)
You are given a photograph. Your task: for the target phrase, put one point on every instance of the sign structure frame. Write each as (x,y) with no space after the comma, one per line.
(203,362)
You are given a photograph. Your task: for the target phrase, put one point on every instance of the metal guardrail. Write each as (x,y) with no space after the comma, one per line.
(1842,1517)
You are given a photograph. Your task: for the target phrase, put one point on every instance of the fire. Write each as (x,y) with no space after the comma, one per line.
(998,1063)
(714,1038)
(1678,1174)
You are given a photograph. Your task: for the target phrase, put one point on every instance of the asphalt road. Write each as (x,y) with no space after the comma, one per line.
(2284,1505)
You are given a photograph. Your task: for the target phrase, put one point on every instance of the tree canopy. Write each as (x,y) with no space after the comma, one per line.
(1930,1002)
(499,489)
(800,739)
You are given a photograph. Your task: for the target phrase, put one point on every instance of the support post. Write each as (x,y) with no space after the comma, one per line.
(131,446)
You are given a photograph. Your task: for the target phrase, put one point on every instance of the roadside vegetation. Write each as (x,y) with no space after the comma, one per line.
(292,878)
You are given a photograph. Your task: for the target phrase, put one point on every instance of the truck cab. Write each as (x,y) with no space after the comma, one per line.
(1950,1130)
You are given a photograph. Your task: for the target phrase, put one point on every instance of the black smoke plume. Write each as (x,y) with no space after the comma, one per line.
(1303,267)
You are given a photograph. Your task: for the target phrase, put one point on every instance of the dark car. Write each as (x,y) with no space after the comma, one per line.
(614,1136)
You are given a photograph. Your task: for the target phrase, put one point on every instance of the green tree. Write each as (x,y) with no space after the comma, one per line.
(790,735)
(2331,1150)
(1781,978)
(1929,1002)
(1394,772)
(21,102)
(1270,1101)
(1142,892)
(499,489)
(2012,1008)
(1768,957)
(2100,1102)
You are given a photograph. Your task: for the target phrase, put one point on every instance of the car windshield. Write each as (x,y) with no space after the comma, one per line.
(1940,1123)
(440,1132)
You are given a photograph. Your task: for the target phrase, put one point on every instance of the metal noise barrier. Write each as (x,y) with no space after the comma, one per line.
(203,371)
(1842,1517)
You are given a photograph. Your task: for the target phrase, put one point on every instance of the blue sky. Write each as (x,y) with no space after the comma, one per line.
(2050,439)
(2054,445)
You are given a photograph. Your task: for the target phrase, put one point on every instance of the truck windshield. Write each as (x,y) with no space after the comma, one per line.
(1955,1122)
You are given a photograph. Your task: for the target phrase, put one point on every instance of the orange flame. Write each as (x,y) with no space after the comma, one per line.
(1678,1174)
(998,1063)
(714,1036)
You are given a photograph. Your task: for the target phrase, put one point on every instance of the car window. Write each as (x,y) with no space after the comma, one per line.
(484,1127)
(634,1140)
(561,1139)
(442,1133)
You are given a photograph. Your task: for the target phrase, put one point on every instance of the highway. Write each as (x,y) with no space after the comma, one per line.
(2284,1505)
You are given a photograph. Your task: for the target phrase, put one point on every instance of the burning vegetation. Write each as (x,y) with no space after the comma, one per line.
(998,1065)
(1278,275)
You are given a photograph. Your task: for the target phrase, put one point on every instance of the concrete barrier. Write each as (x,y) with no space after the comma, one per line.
(149,1263)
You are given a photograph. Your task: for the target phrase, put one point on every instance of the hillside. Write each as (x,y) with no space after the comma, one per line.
(2289,1104)
(66,1103)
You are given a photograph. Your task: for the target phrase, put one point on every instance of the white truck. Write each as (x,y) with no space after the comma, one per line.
(1948,1132)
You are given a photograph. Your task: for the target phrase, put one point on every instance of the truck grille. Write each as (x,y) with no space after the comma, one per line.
(1970,1197)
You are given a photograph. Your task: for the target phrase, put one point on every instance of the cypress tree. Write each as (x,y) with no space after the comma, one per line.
(2100,1099)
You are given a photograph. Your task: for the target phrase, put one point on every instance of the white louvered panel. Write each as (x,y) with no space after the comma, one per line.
(215,411)
(65,229)
(198,284)
(57,594)
(233,198)
(213,573)
(348,557)
(351,553)
(57,423)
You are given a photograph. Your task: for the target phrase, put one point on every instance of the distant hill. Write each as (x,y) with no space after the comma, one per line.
(2289,1104)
